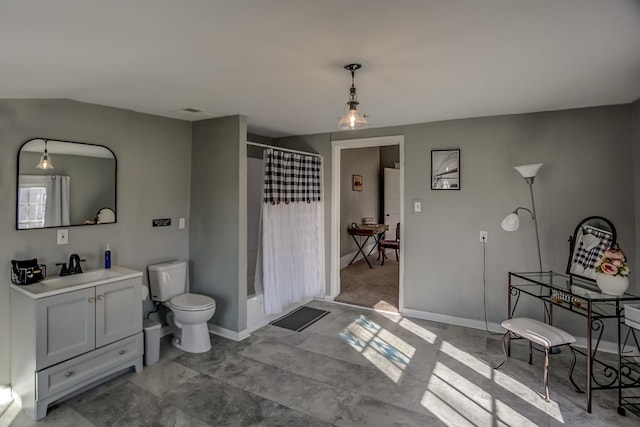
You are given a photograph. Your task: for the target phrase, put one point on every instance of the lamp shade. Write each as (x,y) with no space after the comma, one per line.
(510,222)
(352,120)
(528,171)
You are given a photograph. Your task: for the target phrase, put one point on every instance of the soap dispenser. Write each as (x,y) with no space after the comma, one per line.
(107,257)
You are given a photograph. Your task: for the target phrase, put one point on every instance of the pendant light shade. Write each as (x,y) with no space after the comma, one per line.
(352,120)
(45,161)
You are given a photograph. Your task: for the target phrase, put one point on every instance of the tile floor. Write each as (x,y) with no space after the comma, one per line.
(354,367)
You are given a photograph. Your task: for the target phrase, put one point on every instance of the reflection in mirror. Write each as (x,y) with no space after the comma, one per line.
(81,184)
(591,238)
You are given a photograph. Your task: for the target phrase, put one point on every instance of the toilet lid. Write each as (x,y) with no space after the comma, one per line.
(193,302)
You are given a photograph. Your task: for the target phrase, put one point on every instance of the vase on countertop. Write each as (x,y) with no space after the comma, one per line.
(612,285)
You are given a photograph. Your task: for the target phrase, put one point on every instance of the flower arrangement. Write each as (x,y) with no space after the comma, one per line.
(613,262)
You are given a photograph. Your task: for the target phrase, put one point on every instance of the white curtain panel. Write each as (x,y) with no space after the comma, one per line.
(57,203)
(292,253)
(290,264)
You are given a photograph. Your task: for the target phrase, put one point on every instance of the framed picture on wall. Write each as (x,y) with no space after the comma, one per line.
(357,183)
(445,169)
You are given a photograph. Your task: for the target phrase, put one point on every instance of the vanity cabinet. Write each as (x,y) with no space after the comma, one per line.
(70,339)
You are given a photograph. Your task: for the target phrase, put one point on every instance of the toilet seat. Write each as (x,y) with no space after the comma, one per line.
(193,302)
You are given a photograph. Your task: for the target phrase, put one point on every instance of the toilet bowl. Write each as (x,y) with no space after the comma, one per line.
(188,313)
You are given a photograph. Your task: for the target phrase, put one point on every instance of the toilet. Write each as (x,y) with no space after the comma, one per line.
(189,313)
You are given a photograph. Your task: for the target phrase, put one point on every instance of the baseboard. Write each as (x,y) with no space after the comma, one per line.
(166,330)
(228,333)
(453,320)
(246,333)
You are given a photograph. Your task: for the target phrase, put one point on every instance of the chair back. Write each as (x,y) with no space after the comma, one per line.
(398,232)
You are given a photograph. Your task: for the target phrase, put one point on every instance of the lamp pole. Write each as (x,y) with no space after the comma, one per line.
(535,220)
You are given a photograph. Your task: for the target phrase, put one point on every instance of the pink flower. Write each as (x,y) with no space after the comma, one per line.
(617,263)
(613,254)
(609,268)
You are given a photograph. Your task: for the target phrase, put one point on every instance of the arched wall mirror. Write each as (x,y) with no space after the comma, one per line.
(591,238)
(63,183)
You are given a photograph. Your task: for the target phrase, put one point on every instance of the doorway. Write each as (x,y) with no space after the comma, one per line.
(338,231)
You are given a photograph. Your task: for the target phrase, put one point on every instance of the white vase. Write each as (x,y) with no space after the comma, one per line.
(612,285)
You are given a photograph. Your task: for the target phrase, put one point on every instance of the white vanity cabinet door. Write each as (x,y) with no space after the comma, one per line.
(65,326)
(118,311)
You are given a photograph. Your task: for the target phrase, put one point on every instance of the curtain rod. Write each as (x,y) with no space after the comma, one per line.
(257,144)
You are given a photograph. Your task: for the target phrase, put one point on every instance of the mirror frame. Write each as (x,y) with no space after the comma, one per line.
(573,243)
(115,183)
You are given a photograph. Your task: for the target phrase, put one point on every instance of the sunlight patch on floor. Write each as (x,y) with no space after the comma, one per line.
(386,351)
(527,394)
(466,402)
(467,359)
(418,330)
(5,396)
(522,391)
(9,408)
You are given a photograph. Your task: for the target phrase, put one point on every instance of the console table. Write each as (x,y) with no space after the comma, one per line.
(367,231)
(583,298)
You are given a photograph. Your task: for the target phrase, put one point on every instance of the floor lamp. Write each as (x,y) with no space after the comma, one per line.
(512,222)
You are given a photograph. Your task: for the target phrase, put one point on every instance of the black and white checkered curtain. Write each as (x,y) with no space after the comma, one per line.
(588,256)
(291,177)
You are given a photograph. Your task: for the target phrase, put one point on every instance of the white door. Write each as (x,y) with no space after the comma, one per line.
(391,201)
(118,311)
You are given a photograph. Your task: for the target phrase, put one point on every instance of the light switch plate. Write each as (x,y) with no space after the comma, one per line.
(63,236)
(417,206)
(181,223)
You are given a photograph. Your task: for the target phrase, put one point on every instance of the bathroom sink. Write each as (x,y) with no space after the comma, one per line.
(60,285)
(81,278)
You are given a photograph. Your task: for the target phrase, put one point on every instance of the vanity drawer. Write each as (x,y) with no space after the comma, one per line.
(83,368)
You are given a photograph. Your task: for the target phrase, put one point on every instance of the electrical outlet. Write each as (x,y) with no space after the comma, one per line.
(484,237)
(63,237)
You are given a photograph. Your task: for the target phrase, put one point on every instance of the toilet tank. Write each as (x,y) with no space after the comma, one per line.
(167,280)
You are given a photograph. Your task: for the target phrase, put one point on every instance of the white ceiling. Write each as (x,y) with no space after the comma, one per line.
(280,62)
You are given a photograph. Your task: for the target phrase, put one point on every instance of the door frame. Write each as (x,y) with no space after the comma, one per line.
(336,149)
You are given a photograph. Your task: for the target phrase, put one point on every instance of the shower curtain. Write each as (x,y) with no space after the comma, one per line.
(291,251)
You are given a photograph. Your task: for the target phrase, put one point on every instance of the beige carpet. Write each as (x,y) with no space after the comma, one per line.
(375,287)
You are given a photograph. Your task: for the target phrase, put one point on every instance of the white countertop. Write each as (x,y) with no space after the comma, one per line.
(59,285)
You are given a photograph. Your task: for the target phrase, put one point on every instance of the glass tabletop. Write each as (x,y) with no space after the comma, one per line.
(582,288)
(571,293)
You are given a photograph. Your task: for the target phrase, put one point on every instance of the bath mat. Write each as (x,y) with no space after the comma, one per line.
(300,319)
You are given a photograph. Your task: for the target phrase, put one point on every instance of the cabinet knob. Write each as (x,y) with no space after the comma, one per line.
(100,297)
(122,352)
(91,300)
(68,374)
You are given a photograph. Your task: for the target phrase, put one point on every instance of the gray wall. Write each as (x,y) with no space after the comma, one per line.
(217,241)
(355,205)
(92,183)
(153,182)
(582,150)
(389,156)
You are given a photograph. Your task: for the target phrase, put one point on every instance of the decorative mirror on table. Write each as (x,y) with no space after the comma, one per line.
(591,238)
(63,183)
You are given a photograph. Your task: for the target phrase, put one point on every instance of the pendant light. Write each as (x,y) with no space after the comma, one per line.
(45,162)
(352,119)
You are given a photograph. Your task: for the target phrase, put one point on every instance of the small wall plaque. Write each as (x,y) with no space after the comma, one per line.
(161,222)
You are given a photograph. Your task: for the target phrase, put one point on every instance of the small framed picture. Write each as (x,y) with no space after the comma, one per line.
(357,182)
(445,169)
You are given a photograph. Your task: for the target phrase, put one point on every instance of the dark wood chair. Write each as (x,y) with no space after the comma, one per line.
(390,244)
